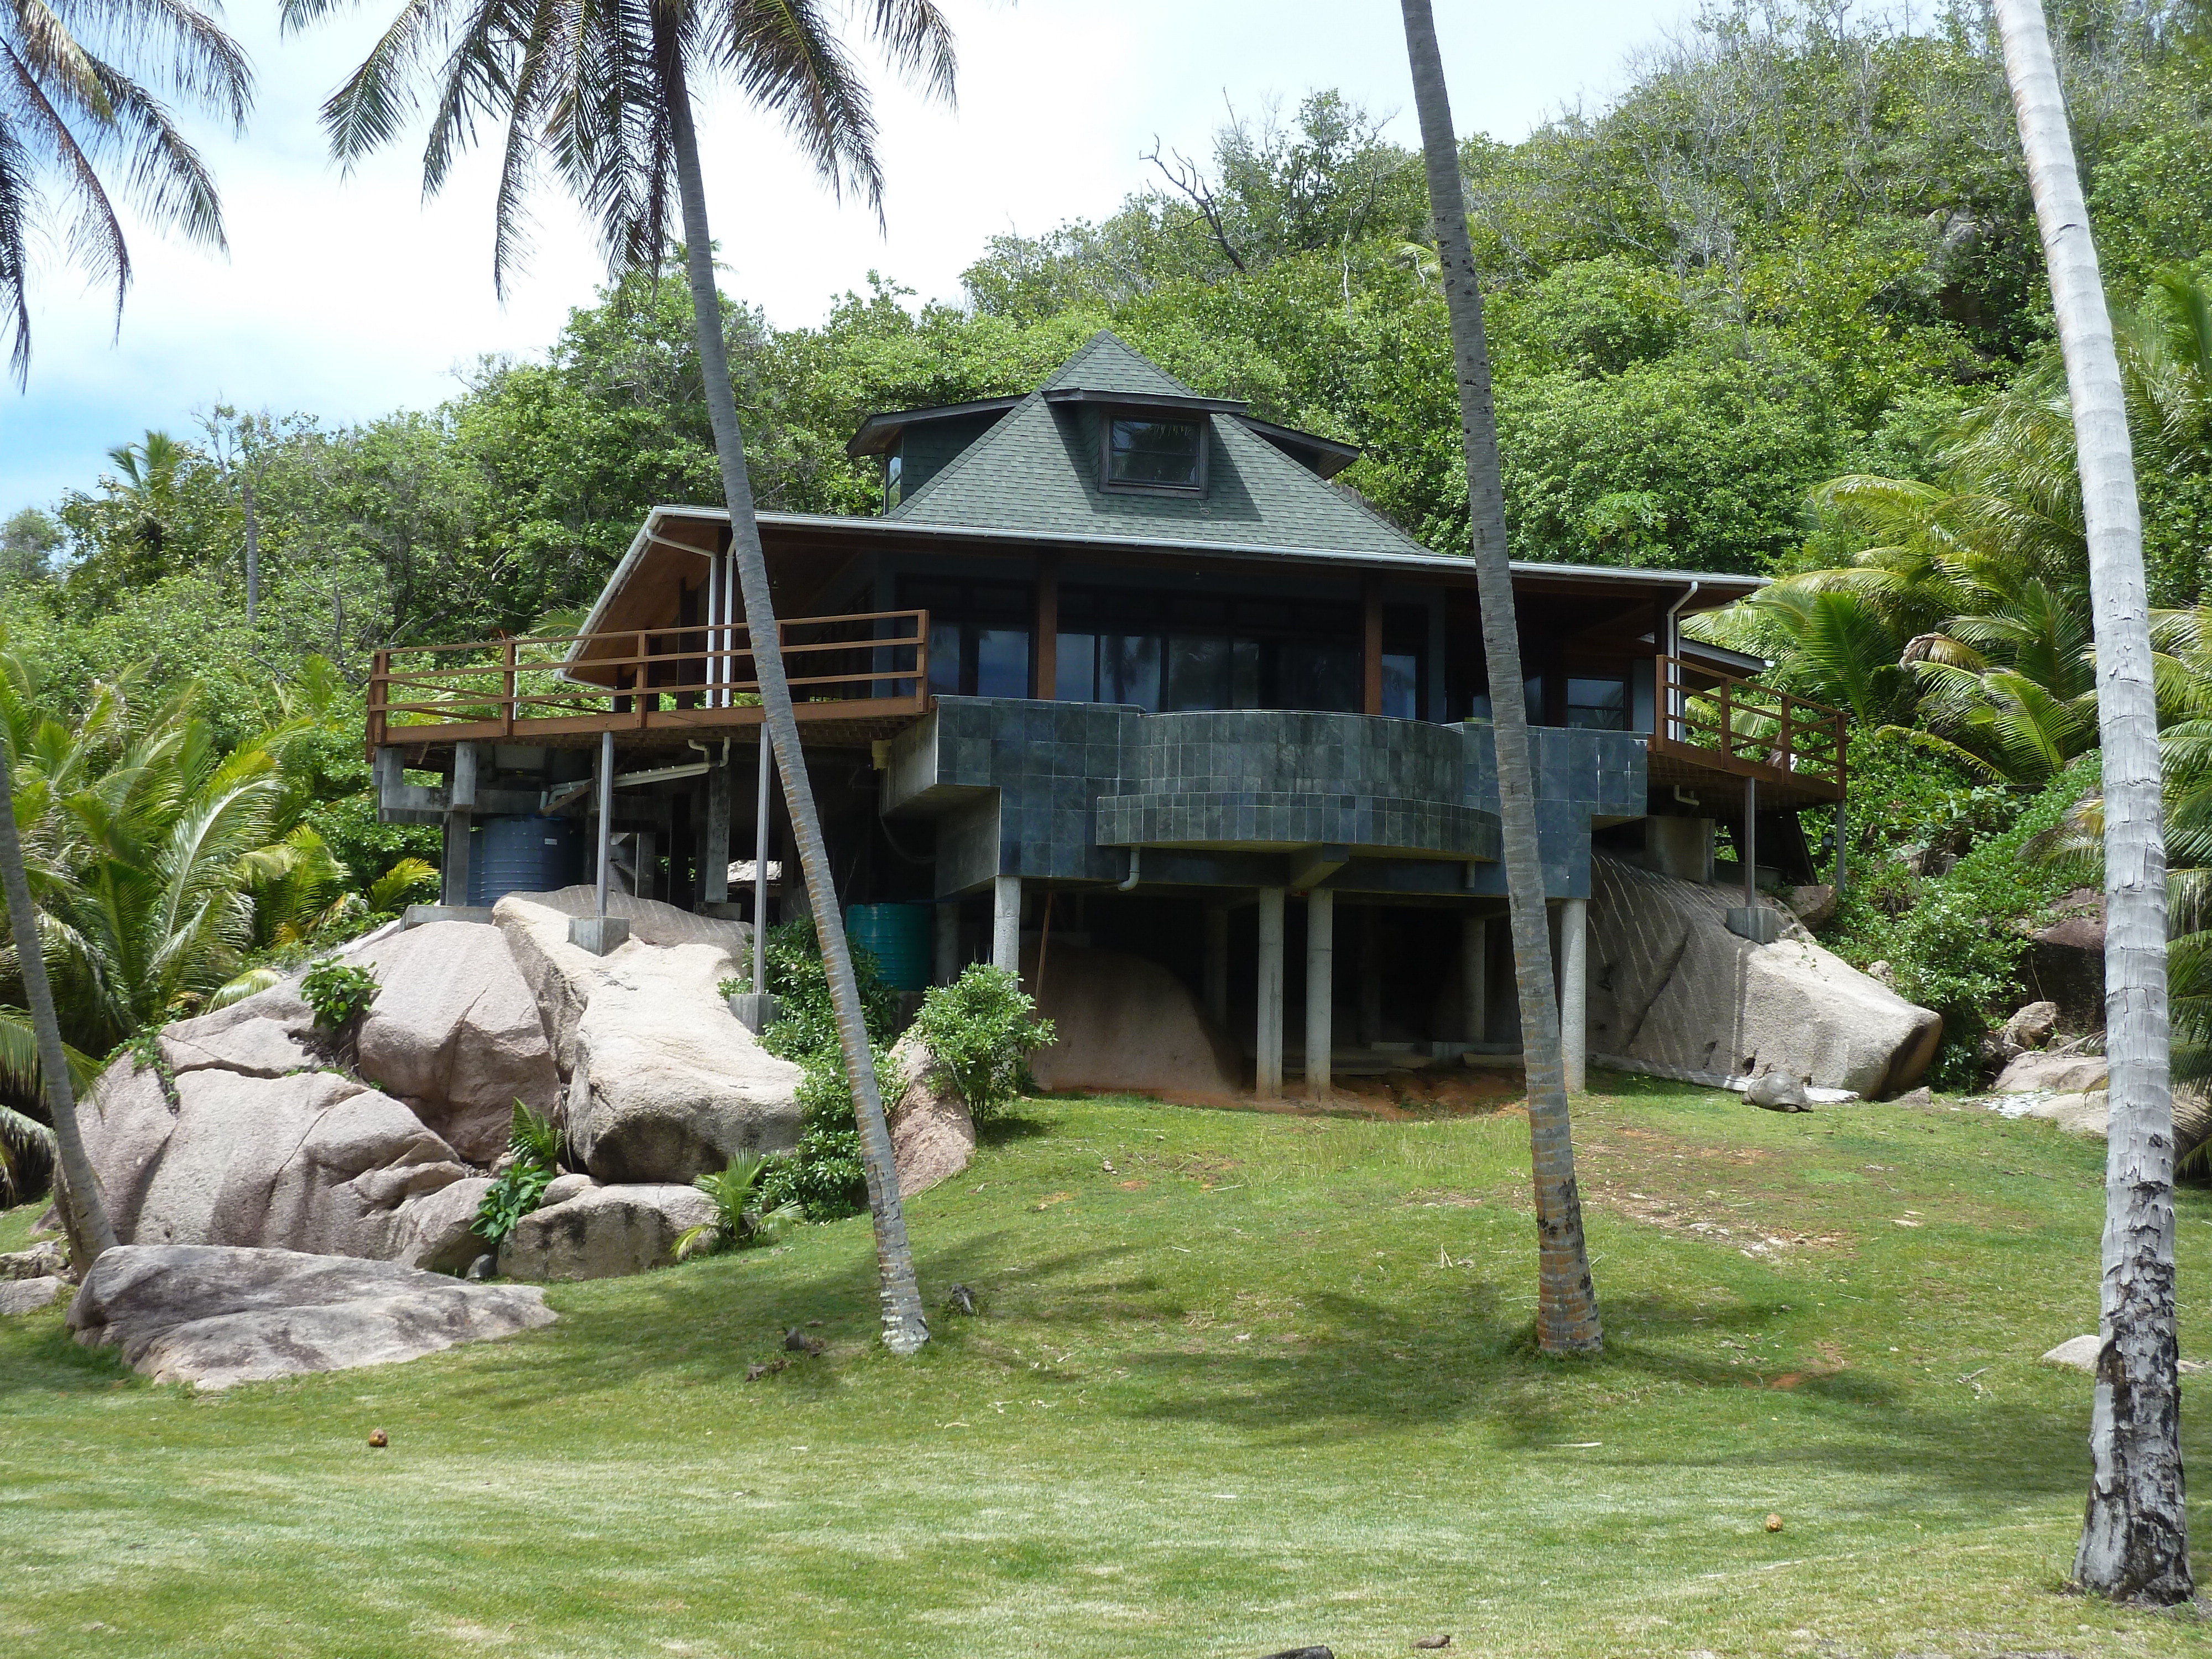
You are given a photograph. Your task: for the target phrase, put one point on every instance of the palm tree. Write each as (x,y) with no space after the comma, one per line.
(2134,1536)
(1566,1317)
(75,97)
(601,93)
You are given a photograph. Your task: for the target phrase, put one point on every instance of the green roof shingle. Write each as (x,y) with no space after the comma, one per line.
(1037,470)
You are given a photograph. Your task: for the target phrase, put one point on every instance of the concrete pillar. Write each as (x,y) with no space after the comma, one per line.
(1574,992)
(454,877)
(714,843)
(1321,987)
(463,798)
(1268,1067)
(1217,964)
(947,968)
(1006,923)
(1474,977)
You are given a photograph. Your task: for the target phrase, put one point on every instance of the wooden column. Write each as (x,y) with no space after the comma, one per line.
(1045,655)
(1370,695)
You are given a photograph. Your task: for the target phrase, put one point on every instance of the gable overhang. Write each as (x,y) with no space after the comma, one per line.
(878,433)
(805,551)
(1151,402)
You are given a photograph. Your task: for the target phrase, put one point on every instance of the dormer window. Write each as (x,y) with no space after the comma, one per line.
(1143,453)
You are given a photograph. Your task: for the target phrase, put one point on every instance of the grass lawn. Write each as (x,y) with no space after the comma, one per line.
(1239,1382)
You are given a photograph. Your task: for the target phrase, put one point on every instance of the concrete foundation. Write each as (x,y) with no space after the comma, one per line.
(1681,847)
(1007,924)
(598,934)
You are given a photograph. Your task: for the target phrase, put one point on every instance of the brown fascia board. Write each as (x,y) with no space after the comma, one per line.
(879,432)
(695,532)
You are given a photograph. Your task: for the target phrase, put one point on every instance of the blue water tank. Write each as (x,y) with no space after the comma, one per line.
(523,854)
(902,938)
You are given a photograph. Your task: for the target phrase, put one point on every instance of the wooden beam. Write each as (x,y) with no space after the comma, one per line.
(1046,654)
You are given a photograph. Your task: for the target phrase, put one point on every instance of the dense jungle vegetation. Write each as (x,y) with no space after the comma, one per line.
(1778,308)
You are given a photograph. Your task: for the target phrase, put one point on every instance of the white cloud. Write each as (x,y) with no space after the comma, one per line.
(346,296)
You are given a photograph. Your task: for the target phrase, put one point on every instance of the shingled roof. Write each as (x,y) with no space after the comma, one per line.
(1036,470)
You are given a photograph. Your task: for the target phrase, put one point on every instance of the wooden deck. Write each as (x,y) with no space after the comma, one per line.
(1713,731)
(854,679)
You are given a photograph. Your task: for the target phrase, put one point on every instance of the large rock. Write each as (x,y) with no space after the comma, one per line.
(604,1232)
(2047,1073)
(666,1083)
(2031,1026)
(22,1296)
(456,1033)
(310,1161)
(265,1034)
(2066,960)
(932,1135)
(1670,986)
(1126,1023)
(436,1230)
(216,1316)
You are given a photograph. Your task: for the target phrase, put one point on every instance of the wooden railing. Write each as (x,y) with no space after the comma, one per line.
(871,662)
(1746,729)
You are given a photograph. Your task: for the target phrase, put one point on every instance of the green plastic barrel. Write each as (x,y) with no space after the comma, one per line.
(900,937)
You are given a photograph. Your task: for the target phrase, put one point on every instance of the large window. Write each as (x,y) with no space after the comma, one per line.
(979,637)
(1188,652)
(1149,454)
(1597,704)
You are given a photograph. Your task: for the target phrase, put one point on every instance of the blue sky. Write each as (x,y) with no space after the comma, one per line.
(348,296)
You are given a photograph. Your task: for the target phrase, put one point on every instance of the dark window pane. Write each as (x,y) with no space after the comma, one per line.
(1129,670)
(1198,674)
(1319,676)
(1163,452)
(945,658)
(1002,603)
(1002,662)
(1401,686)
(1598,705)
(1534,686)
(1244,675)
(1075,668)
(892,468)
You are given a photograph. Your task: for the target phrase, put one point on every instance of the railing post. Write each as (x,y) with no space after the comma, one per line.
(510,685)
(380,694)
(1728,719)
(644,677)
(921,654)
(1662,715)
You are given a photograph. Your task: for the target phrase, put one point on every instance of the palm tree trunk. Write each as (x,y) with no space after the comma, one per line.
(905,1326)
(2135,1537)
(90,1232)
(1566,1307)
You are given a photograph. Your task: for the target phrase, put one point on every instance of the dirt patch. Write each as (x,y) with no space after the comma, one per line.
(1724,1224)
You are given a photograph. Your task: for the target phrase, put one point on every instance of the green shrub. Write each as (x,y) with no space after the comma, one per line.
(982,1028)
(338,993)
(741,1215)
(823,1177)
(533,1144)
(1954,942)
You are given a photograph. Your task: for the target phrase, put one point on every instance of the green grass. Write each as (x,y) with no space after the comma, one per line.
(1269,1381)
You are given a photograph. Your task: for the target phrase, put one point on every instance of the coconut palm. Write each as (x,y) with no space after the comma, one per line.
(2135,1537)
(1567,1316)
(599,93)
(80,108)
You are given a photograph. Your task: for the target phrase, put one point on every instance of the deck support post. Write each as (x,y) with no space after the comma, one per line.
(600,932)
(454,883)
(714,856)
(1321,987)
(1574,992)
(1007,924)
(1268,1067)
(1217,964)
(1749,850)
(1474,975)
